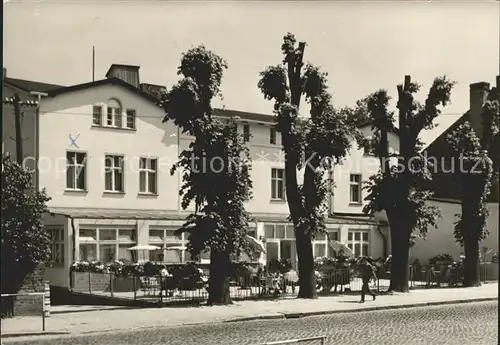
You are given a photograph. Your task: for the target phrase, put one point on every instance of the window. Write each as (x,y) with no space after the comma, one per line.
(97,115)
(114,114)
(147,176)
(319,250)
(355,188)
(131,118)
(272,136)
(88,244)
(76,163)
(269,230)
(114,118)
(278,184)
(107,245)
(173,246)
(278,231)
(246,132)
(358,242)
(113,179)
(56,245)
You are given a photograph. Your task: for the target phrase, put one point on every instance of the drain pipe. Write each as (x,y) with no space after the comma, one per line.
(71,282)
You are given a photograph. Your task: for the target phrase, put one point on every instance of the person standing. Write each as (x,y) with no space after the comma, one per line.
(367,273)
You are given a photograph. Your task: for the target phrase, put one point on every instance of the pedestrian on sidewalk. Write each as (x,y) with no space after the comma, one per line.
(367,273)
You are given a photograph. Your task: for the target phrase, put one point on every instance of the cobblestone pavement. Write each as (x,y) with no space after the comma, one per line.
(459,324)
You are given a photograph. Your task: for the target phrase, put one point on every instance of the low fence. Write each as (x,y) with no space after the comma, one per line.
(167,289)
(445,275)
(9,305)
(26,303)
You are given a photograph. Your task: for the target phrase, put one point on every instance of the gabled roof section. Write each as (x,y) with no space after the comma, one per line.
(28,85)
(245,115)
(440,143)
(107,81)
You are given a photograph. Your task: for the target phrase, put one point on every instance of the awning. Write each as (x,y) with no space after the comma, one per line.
(335,219)
(106,213)
(88,213)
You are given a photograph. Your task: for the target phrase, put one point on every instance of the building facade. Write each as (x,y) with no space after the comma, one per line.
(104,156)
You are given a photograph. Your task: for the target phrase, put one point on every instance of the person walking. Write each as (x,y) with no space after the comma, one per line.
(367,273)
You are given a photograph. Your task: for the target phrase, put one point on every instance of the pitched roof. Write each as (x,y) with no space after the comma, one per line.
(28,85)
(249,116)
(107,81)
(440,142)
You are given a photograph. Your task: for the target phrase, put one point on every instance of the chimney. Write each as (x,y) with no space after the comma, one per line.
(478,95)
(127,73)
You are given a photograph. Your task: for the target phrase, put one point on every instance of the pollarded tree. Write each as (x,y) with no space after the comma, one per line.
(474,175)
(25,241)
(215,169)
(313,143)
(397,189)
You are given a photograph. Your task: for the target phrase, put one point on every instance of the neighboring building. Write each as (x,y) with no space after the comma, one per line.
(446,192)
(440,151)
(27,90)
(104,157)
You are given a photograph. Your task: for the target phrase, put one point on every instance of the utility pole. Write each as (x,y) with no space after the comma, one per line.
(18,104)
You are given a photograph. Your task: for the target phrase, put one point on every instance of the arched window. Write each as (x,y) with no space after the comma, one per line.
(114,114)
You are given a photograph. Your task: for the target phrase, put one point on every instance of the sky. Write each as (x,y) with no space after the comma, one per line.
(363,45)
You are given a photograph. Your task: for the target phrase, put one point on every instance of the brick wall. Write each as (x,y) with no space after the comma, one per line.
(30,305)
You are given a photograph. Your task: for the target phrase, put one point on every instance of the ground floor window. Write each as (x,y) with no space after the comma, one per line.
(359,242)
(107,244)
(173,247)
(280,242)
(56,235)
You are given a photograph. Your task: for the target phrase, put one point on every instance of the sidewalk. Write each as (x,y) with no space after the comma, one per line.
(97,319)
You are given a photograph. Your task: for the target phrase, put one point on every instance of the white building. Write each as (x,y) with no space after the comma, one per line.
(104,156)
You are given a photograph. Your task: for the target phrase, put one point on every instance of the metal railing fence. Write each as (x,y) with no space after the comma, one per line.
(9,300)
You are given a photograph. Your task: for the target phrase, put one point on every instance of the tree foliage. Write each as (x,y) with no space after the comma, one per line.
(314,143)
(474,178)
(25,241)
(215,168)
(397,188)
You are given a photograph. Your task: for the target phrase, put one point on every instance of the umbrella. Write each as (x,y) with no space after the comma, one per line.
(144,248)
(256,245)
(176,248)
(340,247)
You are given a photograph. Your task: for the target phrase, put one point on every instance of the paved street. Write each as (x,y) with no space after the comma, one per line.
(471,323)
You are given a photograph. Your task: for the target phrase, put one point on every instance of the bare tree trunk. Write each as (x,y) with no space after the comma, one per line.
(307,277)
(218,284)
(400,239)
(471,262)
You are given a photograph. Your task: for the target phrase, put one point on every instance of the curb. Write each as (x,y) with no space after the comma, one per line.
(359,310)
(31,334)
(58,312)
